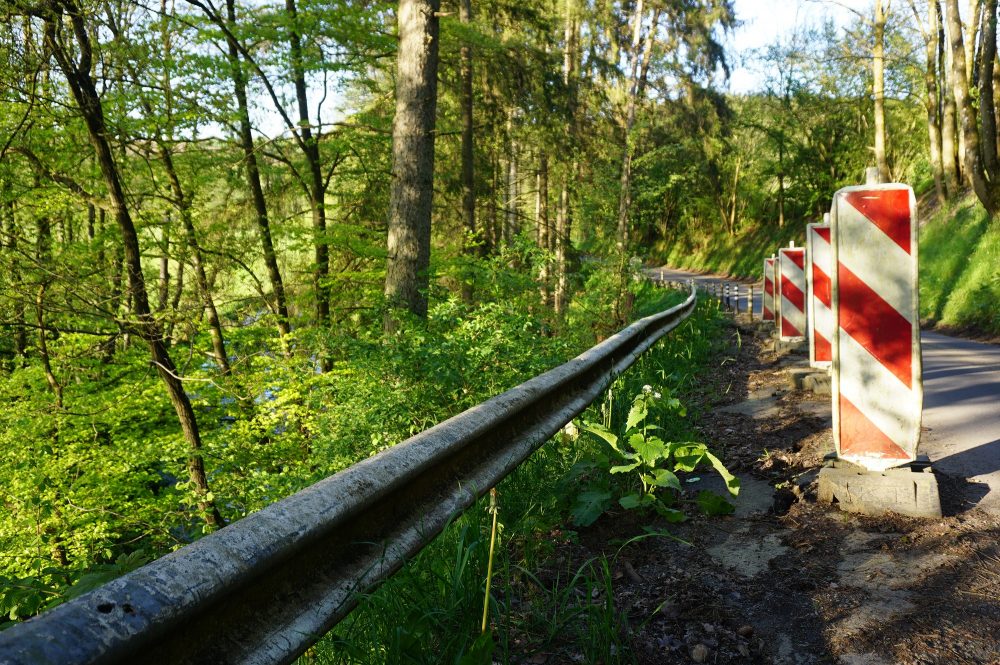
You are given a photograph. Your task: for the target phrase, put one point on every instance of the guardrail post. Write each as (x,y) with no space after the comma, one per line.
(737,299)
(750,302)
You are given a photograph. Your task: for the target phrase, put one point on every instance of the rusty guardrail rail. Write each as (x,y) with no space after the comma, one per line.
(270,585)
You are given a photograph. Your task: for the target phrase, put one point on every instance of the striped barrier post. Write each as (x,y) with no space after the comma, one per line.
(819,266)
(877,379)
(792,293)
(768,300)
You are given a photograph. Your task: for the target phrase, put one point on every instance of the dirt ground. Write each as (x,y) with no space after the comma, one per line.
(787,580)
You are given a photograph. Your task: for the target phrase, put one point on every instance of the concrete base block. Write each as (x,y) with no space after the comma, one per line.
(818,382)
(909,490)
(796,377)
(791,346)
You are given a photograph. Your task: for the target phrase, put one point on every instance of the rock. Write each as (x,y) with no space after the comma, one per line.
(745,630)
(699,653)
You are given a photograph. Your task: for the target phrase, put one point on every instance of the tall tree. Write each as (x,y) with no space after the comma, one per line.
(409,239)
(878,90)
(74,55)
(932,100)
(235,56)
(468,147)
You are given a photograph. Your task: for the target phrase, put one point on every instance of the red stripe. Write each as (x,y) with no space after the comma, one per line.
(788,330)
(824,233)
(887,209)
(821,286)
(860,436)
(798,257)
(768,287)
(823,349)
(793,293)
(875,325)
(768,314)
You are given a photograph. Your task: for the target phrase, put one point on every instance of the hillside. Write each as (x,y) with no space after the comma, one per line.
(959,262)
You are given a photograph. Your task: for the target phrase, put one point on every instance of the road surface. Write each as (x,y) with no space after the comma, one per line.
(961,405)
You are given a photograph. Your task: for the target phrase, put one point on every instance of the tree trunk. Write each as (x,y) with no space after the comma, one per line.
(631,94)
(987,108)
(734,196)
(564,227)
(409,240)
(317,186)
(163,285)
(9,229)
(175,300)
(878,89)
(246,140)
(472,244)
(564,216)
(951,86)
(88,100)
(183,203)
(970,127)
(970,42)
(932,99)
(949,148)
(781,181)
(542,222)
(512,224)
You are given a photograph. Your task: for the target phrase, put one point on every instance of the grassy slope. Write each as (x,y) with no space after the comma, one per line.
(959,263)
(960,268)
(740,256)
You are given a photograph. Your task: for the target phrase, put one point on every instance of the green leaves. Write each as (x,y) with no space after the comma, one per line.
(655,463)
(589,506)
(636,414)
(713,504)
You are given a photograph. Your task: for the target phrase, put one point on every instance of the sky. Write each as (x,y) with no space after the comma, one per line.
(764,21)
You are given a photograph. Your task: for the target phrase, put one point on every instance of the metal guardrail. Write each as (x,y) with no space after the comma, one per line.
(270,585)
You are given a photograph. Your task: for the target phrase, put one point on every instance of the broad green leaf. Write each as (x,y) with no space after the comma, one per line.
(589,506)
(636,414)
(480,653)
(630,501)
(713,504)
(602,432)
(625,468)
(665,478)
(732,482)
(650,450)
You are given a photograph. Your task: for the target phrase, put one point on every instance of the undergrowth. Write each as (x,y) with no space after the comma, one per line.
(429,611)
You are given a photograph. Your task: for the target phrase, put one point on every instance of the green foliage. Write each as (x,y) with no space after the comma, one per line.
(654,462)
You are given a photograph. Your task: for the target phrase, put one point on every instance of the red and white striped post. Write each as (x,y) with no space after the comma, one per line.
(877,384)
(792,293)
(819,266)
(767,299)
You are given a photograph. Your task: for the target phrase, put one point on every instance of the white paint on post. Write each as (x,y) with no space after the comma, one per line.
(819,262)
(767,298)
(877,387)
(792,294)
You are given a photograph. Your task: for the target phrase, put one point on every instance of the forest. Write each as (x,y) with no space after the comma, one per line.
(245,244)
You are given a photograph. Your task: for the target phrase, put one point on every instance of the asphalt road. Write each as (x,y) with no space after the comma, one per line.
(961,414)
